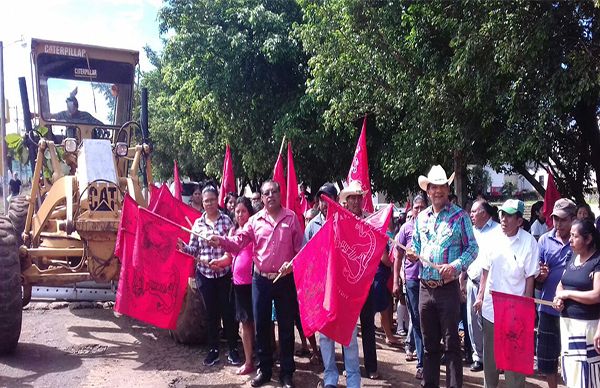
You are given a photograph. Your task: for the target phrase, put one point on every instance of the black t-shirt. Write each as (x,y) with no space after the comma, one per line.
(581,278)
(15,186)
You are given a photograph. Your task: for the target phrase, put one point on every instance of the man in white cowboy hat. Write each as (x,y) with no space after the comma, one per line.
(443,236)
(352,196)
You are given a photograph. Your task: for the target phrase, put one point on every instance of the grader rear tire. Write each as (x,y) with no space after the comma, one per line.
(11,311)
(191,323)
(17,212)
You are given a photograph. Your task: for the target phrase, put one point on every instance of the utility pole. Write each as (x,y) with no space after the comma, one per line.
(3,131)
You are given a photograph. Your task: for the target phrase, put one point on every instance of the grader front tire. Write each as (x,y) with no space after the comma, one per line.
(11,311)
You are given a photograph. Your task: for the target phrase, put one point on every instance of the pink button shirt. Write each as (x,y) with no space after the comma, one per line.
(275,241)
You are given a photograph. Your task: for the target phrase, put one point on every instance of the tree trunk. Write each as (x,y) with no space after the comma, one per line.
(521,169)
(460,177)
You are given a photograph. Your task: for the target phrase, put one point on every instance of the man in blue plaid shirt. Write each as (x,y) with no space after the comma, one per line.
(443,238)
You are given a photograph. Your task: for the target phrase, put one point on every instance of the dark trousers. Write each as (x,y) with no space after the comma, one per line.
(218,298)
(283,293)
(367,331)
(440,312)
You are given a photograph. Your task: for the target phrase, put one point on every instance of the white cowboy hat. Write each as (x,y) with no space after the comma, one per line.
(354,188)
(436,176)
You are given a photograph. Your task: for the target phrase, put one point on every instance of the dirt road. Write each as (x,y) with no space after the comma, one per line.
(64,345)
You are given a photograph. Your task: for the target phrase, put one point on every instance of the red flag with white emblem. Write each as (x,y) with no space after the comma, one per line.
(359,170)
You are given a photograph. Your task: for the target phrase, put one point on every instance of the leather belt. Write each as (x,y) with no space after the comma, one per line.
(268,275)
(435,283)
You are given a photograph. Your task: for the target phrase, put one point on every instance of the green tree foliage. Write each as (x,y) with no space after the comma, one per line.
(506,83)
(234,72)
(502,83)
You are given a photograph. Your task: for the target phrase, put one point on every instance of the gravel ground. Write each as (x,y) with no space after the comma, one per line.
(88,345)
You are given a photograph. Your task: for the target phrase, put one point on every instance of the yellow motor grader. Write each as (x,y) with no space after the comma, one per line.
(85,154)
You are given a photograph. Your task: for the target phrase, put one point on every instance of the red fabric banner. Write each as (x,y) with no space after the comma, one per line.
(309,266)
(347,250)
(127,228)
(381,219)
(552,195)
(174,210)
(154,279)
(304,204)
(514,320)
(292,196)
(176,181)
(359,170)
(279,177)
(227,178)
(154,194)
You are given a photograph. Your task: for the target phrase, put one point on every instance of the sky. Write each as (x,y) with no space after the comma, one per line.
(127,24)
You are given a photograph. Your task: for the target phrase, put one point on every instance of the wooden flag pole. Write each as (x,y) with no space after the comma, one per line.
(424,260)
(282,144)
(281,273)
(544,302)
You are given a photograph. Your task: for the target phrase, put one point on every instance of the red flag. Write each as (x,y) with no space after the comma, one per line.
(381,219)
(350,250)
(279,177)
(552,195)
(304,204)
(176,182)
(227,178)
(514,319)
(359,170)
(127,227)
(309,266)
(155,281)
(292,197)
(154,193)
(174,210)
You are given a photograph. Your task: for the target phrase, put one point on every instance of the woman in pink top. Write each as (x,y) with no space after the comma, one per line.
(242,283)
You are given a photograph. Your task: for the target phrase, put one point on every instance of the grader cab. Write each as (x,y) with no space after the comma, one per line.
(85,154)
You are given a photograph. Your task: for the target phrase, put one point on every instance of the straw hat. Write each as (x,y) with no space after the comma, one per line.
(354,188)
(437,176)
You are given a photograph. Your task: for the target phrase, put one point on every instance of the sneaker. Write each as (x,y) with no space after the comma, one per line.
(234,357)
(419,374)
(212,358)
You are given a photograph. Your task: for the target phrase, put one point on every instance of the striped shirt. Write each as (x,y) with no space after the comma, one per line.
(445,238)
(200,249)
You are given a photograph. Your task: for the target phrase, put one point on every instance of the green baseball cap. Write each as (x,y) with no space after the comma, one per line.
(512,206)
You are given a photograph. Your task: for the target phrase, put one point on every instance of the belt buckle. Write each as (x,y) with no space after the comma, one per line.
(432,283)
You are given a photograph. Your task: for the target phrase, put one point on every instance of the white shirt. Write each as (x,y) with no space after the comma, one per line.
(537,228)
(509,264)
(485,240)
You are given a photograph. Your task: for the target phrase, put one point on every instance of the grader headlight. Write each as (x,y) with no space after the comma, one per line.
(70,145)
(121,149)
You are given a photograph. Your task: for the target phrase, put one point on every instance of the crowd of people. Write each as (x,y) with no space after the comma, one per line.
(438,272)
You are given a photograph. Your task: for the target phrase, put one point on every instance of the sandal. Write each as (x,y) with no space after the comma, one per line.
(244,370)
(393,342)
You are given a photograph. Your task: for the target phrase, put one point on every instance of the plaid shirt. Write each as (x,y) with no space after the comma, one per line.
(444,239)
(200,249)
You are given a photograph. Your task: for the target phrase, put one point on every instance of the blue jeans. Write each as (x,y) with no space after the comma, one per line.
(351,361)
(412,301)
(283,293)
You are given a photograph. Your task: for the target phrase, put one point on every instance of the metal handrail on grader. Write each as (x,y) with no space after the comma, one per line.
(65,231)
